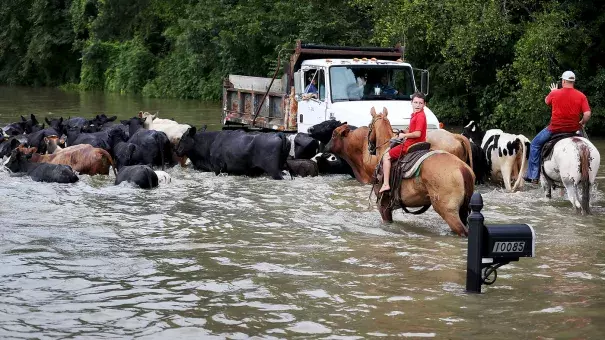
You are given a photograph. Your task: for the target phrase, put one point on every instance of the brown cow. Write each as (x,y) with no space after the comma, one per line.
(83,158)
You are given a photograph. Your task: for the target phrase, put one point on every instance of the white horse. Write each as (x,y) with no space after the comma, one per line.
(574,163)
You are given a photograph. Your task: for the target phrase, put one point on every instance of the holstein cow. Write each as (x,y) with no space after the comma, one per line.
(329,163)
(40,172)
(83,158)
(506,154)
(141,175)
(236,152)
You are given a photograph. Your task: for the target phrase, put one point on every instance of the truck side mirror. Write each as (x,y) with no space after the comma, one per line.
(298,84)
(424,82)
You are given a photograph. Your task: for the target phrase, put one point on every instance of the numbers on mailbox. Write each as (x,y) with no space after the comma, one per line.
(509,247)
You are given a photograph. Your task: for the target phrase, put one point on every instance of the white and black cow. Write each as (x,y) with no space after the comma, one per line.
(506,155)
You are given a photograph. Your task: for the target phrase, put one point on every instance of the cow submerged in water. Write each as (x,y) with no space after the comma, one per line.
(235,152)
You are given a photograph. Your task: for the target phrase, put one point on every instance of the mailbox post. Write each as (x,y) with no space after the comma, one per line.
(492,246)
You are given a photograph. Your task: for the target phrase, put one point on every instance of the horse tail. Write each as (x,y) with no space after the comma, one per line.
(584,174)
(523,149)
(469,186)
(466,144)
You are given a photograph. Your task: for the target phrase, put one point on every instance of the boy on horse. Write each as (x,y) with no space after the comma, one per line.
(567,104)
(416,133)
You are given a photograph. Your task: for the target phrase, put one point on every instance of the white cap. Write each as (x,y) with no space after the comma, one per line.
(569,76)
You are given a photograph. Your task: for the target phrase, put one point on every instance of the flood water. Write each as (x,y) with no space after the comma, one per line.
(233,257)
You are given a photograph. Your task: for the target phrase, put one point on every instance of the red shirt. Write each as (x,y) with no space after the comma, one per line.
(567,105)
(417,123)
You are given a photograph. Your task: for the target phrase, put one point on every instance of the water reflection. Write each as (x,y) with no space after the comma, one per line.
(233,257)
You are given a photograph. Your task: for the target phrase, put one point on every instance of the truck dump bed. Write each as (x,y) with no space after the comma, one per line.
(243,99)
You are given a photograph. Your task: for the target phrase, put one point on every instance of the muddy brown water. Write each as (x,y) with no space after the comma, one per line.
(233,257)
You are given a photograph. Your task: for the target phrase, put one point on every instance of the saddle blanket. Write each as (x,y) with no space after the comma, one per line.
(410,173)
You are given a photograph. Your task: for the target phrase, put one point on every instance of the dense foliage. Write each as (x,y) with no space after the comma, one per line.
(490,60)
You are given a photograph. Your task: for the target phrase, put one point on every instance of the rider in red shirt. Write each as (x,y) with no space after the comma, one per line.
(416,133)
(568,104)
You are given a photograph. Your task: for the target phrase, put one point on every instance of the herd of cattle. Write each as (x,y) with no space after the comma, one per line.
(65,148)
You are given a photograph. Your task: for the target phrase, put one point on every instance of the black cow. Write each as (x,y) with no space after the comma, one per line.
(323,131)
(141,175)
(236,152)
(57,124)
(303,146)
(14,129)
(8,145)
(302,167)
(152,147)
(40,172)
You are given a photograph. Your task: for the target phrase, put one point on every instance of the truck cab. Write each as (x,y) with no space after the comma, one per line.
(348,88)
(326,82)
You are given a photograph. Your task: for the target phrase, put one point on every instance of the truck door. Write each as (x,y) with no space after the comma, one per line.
(312,104)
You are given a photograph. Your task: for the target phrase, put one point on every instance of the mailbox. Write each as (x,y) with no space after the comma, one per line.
(493,246)
(508,241)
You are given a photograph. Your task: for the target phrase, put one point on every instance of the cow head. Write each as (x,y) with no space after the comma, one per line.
(7,147)
(17,162)
(323,131)
(31,124)
(473,132)
(57,124)
(134,124)
(187,142)
(336,143)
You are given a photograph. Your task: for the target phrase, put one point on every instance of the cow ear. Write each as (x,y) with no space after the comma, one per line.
(60,121)
(345,132)
(192,131)
(45,140)
(23,118)
(33,118)
(203,128)
(140,114)
(46,120)
(112,118)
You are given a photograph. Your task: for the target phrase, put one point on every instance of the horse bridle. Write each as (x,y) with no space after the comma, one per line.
(371,145)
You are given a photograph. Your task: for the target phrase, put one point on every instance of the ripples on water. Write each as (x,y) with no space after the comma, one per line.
(232,257)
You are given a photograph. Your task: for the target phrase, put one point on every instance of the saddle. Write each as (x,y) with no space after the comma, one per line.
(403,168)
(547,148)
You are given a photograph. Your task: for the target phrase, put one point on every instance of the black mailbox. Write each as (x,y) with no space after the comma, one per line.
(492,246)
(508,241)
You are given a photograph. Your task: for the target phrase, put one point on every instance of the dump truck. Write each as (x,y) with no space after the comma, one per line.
(326,82)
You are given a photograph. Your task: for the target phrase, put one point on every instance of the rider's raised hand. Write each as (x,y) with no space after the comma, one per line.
(553,86)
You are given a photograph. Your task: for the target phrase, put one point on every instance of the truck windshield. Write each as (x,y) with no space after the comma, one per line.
(365,82)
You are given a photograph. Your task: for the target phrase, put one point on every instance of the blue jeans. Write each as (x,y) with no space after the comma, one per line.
(533,169)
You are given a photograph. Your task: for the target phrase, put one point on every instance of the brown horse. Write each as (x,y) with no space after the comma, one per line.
(444,181)
(454,143)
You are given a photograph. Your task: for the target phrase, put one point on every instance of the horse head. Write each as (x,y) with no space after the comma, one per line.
(380,131)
